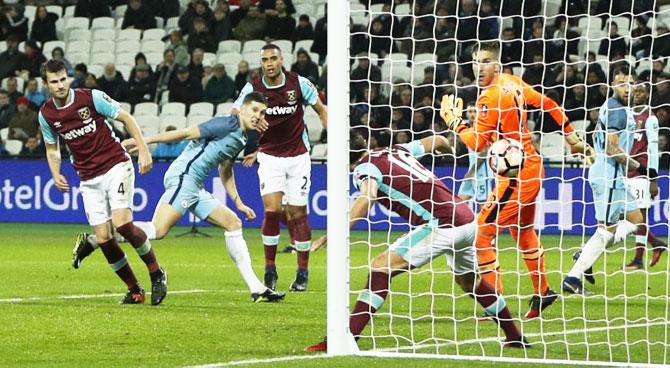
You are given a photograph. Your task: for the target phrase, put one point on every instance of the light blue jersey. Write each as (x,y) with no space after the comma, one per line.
(616,118)
(479,186)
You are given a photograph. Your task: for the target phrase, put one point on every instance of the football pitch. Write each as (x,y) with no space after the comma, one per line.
(52,315)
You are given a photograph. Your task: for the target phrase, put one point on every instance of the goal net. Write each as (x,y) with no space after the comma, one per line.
(401,58)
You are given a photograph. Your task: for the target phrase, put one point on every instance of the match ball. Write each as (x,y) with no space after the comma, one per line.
(506,157)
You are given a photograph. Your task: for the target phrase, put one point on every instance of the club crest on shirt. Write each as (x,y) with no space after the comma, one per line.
(483,110)
(84,113)
(291,96)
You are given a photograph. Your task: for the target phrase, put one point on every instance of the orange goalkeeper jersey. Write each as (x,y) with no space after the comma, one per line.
(502,112)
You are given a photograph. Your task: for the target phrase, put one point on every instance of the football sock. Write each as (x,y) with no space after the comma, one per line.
(591,251)
(487,256)
(238,251)
(302,236)
(369,301)
(623,228)
(270,235)
(495,305)
(640,242)
(141,243)
(533,256)
(654,241)
(119,263)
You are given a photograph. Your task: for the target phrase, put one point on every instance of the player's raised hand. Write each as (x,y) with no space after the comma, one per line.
(319,243)
(61,183)
(262,125)
(247,211)
(144,161)
(249,159)
(579,146)
(451,110)
(130,145)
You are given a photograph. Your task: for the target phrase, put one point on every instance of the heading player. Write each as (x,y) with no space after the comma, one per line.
(443,224)
(107,176)
(284,163)
(217,141)
(501,113)
(613,139)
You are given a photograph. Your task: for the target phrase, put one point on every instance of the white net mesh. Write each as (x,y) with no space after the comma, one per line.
(405,55)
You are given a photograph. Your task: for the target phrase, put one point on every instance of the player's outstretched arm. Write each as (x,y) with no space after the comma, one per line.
(166,137)
(619,155)
(144,160)
(228,180)
(437,144)
(320,109)
(54,160)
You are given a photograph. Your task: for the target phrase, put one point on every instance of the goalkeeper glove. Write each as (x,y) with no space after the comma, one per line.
(451,110)
(647,171)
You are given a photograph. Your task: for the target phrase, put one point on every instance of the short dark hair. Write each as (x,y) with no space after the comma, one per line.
(357,146)
(81,67)
(52,66)
(624,68)
(255,97)
(4,92)
(493,46)
(271,46)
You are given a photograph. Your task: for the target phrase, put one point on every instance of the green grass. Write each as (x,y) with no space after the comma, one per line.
(216,322)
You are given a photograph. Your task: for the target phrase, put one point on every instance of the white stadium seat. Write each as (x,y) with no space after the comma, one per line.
(124,69)
(552,147)
(230,46)
(4,133)
(76,23)
(172,23)
(223,108)
(174,120)
(13,146)
(79,34)
(104,34)
(102,23)
(201,108)
(128,46)
(253,46)
(173,108)
(319,151)
(126,107)
(78,46)
(231,70)
(301,9)
(148,122)
(3,46)
(209,59)
(96,69)
(103,46)
(146,108)
(154,58)
(56,9)
(101,58)
(229,58)
(69,11)
(314,127)
(120,11)
(286,46)
(129,34)
(50,45)
(303,44)
(153,34)
(194,120)
(152,46)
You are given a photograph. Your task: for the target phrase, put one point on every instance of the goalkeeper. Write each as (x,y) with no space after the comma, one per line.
(442,224)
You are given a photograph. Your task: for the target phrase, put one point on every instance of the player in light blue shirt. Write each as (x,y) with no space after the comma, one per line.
(216,142)
(478,181)
(612,142)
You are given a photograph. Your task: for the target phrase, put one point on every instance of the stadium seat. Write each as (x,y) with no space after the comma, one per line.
(376,9)
(623,24)
(223,108)
(304,44)
(101,58)
(580,125)
(104,34)
(129,34)
(102,23)
(289,60)
(201,108)
(286,46)
(95,69)
(145,121)
(120,11)
(398,71)
(230,46)
(4,133)
(77,57)
(173,108)
(131,46)
(29,11)
(172,23)
(79,35)
(174,120)
(426,59)
(154,58)
(76,23)
(402,10)
(124,69)
(69,11)
(103,46)
(152,46)
(314,127)
(398,57)
(360,19)
(3,46)
(320,10)
(56,9)
(13,146)
(590,22)
(551,8)
(160,22)
(231,70)
(194,120)
(146,108)
(319,151)
(126,107)
(209,59)
(50,45)
(229,58)
(253,46)
(301,9)
(153,34)
(78,46)
(552,147)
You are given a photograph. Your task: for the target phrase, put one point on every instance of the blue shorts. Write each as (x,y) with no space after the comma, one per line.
(611,203)
(185,195)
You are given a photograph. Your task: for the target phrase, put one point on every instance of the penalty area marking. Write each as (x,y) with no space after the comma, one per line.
(89,296)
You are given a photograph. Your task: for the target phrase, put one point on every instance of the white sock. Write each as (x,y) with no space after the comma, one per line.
(237,248)
(623,228)
(591,251)
(148,228)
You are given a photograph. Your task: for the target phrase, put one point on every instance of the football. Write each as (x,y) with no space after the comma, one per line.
(506,157)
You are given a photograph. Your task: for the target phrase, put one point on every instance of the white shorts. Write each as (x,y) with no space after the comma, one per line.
(289,175)
(426,242)
(110,191)
(639,188)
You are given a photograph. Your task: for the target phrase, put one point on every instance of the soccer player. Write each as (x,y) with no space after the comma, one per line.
(501,113)
(217,141)
(284,162)
(105,170)
(612,139)
(443,225)
(645,151)
(477,182)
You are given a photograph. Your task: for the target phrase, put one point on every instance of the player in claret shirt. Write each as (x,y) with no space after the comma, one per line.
(107,176)
(442,224)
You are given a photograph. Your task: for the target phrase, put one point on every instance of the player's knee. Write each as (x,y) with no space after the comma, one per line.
(295,212)
(233,223)
(466,281)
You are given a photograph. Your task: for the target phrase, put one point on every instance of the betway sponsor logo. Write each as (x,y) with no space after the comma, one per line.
(281,110)
(78,132)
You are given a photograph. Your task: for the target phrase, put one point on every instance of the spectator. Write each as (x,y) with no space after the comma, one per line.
(178,46)
(219,88)
(363,73)
(58,54)
(304,30)
(239,13)
(664,150)
(614,46)
(195,66)
(13,90)
(169,150)
(200,37)
(320,45)
(566,40)
(380,40)
(80,72)
(269,6)
(141,87)
(24,126)
(252,26)
(242,76)
(305,67)
(34,93)
(165,72)
(90,81)
(641,37)
(575,103)
(280,25)
(511,48)
(14,22)
(222,27)
(185,88)
(7,110)
(489,27)
(44,25)
(660,94)
(11,59)
(92,9)
(33,60)
(197,9)
(140,59)
(445,38)
(112,83)
(138,16)
(661,44)
(164,8)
